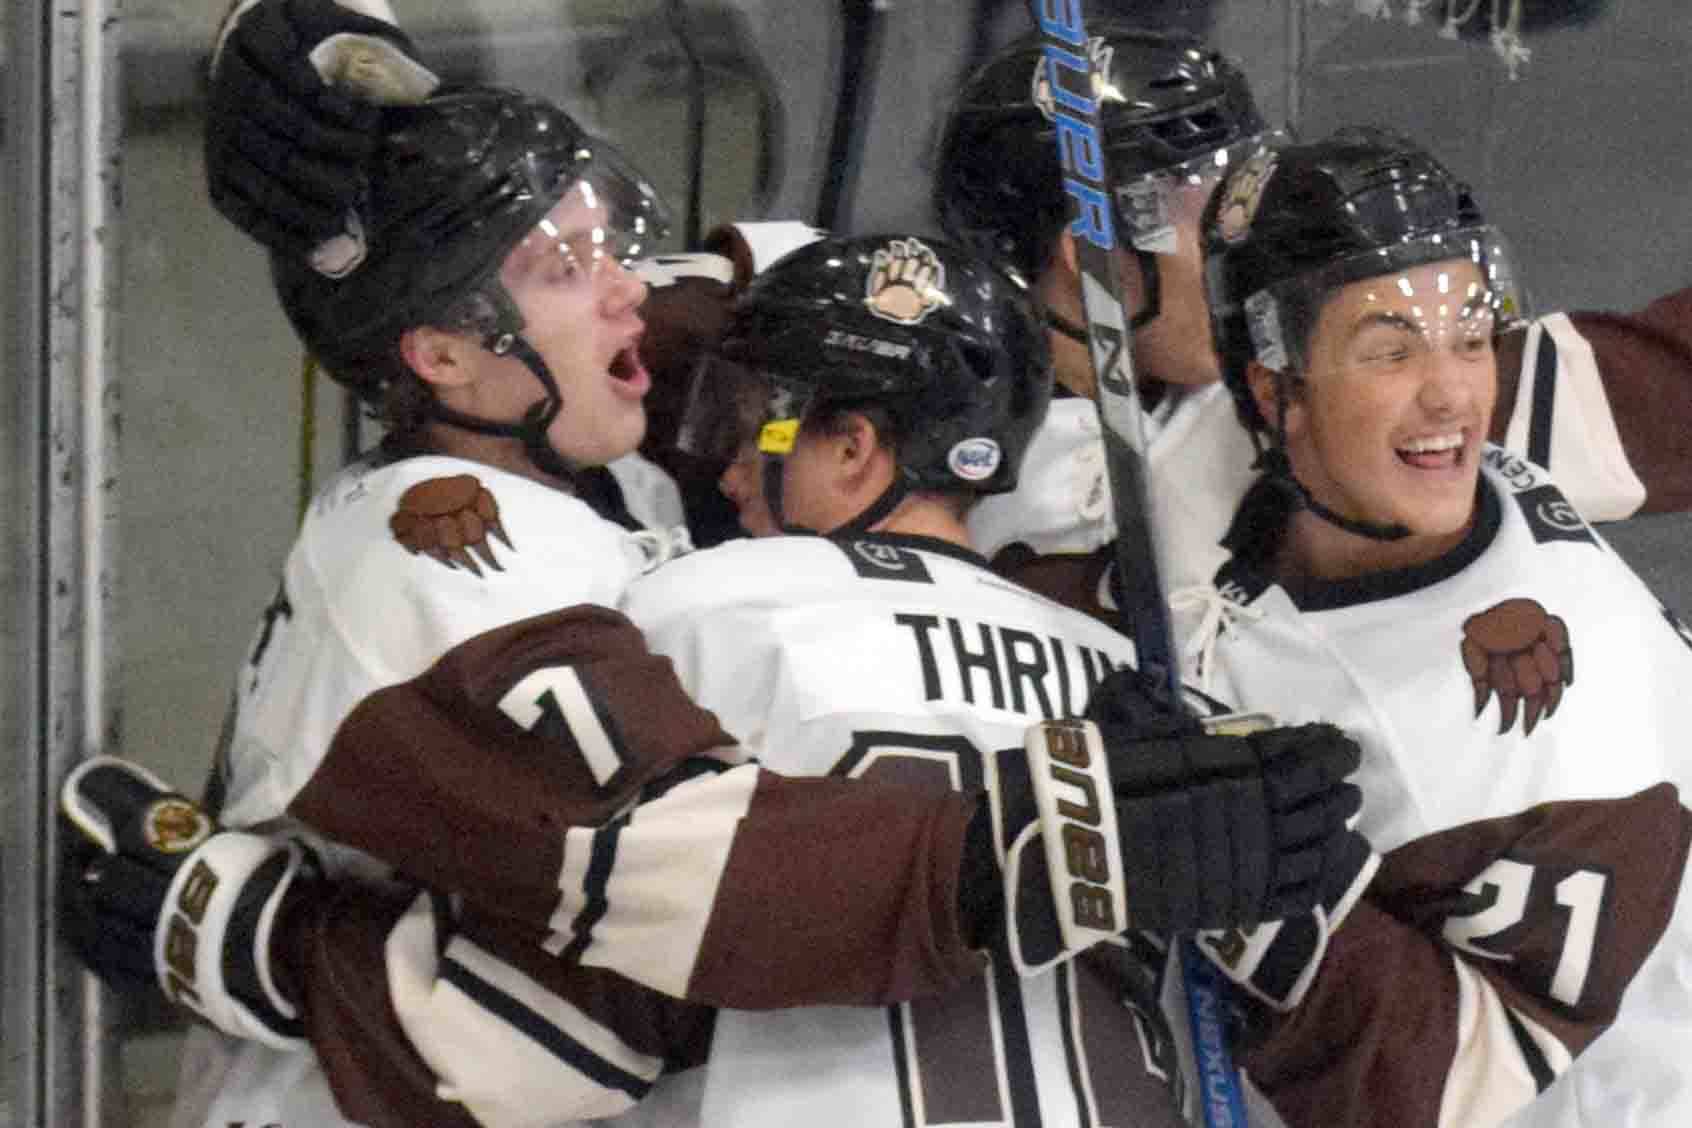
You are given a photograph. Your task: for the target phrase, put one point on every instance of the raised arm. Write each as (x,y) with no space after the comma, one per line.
(1603,400)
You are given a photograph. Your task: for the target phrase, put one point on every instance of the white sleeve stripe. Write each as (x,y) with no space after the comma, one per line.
(1561,408)
(602,857)
(547,1020)
(1529,1048)
(638,899)
(496,1039)
(584,722)
(1502,1059)
(588,860)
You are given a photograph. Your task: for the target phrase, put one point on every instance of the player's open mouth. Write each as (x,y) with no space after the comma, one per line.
(1443,451)
(628,371)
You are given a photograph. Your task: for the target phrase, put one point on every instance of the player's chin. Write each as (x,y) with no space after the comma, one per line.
(1439,513)
(757,521)
(611,432)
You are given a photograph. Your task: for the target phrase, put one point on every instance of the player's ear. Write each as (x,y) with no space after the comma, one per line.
(864,462)
(434,354)
(858,439)
(1273,401)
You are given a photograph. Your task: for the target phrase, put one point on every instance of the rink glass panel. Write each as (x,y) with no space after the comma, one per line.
(1581,155)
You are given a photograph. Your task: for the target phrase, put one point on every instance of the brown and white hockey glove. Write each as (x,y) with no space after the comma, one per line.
(157,896)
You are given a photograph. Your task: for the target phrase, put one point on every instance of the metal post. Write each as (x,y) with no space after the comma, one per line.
(62,128)
(1298,32)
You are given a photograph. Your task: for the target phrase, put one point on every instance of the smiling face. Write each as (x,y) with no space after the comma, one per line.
(1388,423)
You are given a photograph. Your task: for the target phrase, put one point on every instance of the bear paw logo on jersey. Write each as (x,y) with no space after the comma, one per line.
(906,282)
(1099,56)
(1519,652)
(451,520)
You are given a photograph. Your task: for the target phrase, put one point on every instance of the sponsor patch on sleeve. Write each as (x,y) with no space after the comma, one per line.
(1550,517)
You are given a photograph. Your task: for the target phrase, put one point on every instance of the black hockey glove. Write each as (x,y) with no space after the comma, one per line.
(1144,820)
(285,148)
(156,897)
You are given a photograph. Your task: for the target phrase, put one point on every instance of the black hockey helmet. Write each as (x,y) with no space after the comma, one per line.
(458,181)
(1290,226)
(1169,107)
(950,347)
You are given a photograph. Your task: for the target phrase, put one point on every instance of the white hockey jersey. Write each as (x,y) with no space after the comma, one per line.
(1529,664)
(1200,457)
(393,566)
(906,659)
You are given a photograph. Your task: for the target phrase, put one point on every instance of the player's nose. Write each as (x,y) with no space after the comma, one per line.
(623,289)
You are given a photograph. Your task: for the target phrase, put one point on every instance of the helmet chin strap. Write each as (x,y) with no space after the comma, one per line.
(532,428)
(878,509)
(1278,467)
(1154,304)
(1068,328)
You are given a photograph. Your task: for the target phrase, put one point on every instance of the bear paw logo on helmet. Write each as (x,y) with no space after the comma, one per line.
(1099,56)
(1241,195)
(906,282)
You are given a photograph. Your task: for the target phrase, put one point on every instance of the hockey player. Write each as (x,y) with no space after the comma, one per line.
(1568,383)
(273,7)
(1393,571)
(892,382)
(885,650)
(442,694)
(1599,398)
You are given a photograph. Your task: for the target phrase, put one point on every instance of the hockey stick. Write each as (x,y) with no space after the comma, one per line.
(860,51)
(1143,609)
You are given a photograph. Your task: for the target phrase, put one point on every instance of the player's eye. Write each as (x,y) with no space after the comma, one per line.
(1384,348)
(573,261)
(1473,345)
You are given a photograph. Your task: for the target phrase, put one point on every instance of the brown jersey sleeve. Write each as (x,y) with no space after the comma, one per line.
(1644,361)
(1073,579)
(1378,1039)
(330,949)
(620,827)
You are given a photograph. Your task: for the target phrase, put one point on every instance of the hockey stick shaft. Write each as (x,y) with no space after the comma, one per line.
(1144,610)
